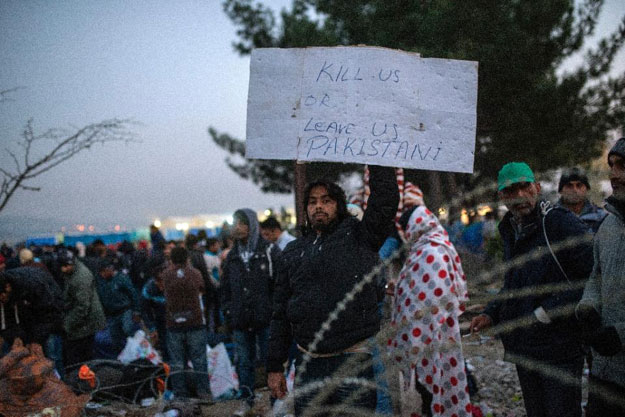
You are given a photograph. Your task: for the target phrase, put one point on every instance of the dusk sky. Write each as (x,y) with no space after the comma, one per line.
(168,65)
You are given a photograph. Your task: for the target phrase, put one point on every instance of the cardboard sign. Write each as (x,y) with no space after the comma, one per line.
(362,105)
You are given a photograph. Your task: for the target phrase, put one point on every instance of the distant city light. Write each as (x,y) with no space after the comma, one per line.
(157,223)
(91,228)
(117,228)
(267,212)
(229,220)
(210,224)
(182,226)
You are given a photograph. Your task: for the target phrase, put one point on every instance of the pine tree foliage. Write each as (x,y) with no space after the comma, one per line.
(528,108)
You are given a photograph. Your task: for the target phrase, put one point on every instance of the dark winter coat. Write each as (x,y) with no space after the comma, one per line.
(247,289)
(591,214)
(152,304)
(117,294)
(559,339)
(319,270)
(36,290)
(198,262)
(84,314)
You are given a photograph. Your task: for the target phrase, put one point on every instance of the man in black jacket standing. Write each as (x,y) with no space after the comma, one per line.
(534,310)
(247,285)
(317,272)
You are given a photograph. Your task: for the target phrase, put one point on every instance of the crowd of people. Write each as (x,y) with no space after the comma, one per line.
(318,301)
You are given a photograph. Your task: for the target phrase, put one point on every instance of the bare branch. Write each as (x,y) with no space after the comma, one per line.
(65,144)
(29,188)
(4,94)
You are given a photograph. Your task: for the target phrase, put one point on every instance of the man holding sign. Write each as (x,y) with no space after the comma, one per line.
(361,105)
(319,270)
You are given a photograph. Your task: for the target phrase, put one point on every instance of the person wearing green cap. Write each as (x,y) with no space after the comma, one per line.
(533,312)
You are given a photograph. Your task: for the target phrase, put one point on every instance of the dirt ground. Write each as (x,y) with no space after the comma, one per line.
(498,387)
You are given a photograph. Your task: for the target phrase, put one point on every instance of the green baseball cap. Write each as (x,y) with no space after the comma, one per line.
(514,172)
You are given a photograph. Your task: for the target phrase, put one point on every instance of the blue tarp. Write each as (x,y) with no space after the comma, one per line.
(41,241)
(106,238)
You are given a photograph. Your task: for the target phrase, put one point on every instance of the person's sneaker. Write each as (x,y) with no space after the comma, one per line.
(242,410)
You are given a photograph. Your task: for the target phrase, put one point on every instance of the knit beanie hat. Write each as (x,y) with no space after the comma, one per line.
(618,148)
(573,174)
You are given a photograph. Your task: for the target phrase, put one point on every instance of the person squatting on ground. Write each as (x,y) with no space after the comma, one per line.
(602,307)
(247,285)
(318,270)
(535,305)
(186,332)
(428,300)
(573,188)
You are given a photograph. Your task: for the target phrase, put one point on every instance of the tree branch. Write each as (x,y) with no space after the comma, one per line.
(65,146)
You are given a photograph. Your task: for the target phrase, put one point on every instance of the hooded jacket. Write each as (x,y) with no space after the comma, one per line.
(248,278)
(117,294)
(591,214)
(84,314)
(559,339)
(605,290)
(319,270)
(36,288)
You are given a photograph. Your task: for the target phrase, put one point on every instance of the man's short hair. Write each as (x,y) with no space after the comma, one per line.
(179,255)
(105,263)
(335,192)
(270,223)
(211,241)
(573,174)
(190,241)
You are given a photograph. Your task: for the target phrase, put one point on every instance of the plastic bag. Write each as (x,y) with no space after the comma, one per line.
(290,377)
(138,347)
(224,381)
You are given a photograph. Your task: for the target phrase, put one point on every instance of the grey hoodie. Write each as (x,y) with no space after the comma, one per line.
(606,293)
(248,249)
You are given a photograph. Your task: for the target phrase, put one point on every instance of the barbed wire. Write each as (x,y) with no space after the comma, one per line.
(486,276)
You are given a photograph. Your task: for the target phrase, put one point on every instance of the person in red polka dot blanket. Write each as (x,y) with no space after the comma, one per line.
(429,297)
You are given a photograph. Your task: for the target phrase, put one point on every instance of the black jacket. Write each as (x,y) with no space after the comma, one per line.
(37,290)
(247,290)
(318,271)
(558,340)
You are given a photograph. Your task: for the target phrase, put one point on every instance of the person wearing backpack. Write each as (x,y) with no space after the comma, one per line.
(548,254)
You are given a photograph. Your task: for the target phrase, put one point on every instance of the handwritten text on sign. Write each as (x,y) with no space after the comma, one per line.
(362,105)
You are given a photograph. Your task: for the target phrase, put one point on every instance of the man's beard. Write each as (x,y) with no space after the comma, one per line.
(323,227)
(571,199)
(619,193)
